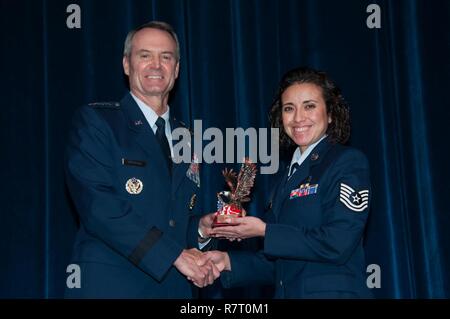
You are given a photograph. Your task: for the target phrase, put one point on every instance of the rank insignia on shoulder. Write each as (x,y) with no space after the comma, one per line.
(105,105)
(356,201)
(193,172)
(304,190)
(192,201)
(134,186)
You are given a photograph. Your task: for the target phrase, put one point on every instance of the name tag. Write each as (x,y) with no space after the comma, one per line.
(129,162)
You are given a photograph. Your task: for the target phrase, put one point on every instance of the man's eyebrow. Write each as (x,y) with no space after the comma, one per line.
(149,51)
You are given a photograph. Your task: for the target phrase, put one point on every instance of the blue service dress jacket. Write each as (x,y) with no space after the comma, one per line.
(136,216)
(313,246)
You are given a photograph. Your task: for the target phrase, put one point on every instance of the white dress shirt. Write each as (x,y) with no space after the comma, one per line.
(151,118)
(300,157)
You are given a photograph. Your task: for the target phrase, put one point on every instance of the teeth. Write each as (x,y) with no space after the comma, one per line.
(301,129)
(154,77)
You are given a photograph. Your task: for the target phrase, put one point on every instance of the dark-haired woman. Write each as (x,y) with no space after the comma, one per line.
(313,231)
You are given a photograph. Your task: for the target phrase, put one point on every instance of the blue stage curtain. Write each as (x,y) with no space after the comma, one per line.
(233,53)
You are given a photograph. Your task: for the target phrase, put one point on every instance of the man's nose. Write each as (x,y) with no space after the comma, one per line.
(155,62)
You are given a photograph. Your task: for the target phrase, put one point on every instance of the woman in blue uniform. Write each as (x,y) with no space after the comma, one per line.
(314,226)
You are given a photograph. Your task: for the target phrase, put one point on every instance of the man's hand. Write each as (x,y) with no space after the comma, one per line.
(245,227)
(200,271)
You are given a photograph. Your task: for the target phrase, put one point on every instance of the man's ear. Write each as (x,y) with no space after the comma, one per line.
(126,65)
(177,69)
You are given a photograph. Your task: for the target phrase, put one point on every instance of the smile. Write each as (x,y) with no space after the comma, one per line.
(301,129)
(157,77)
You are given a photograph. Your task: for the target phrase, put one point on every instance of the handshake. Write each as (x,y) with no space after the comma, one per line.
(202,268)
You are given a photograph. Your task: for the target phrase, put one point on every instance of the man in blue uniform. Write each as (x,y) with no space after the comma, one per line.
(137,208)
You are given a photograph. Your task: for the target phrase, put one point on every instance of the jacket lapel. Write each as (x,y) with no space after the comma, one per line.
(303,173)
(290,184)
(143,134)
(277,198)
(178,170)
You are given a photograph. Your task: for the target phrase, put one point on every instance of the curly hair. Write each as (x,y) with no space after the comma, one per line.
(338,130)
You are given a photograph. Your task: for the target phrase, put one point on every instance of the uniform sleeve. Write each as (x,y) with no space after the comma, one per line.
(345,205)
(193,235)
(248,268)
(105,213)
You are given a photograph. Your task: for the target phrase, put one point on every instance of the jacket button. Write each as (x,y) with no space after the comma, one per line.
(171,223)
(281,282)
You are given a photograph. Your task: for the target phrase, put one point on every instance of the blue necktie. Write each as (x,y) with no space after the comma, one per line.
(293,169)
(163,142)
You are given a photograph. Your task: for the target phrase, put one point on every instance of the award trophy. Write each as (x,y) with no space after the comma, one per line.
(229,203)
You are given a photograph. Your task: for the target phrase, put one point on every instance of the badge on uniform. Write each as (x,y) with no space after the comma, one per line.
(304,190)
(193,172)
(356,201)
(134,186)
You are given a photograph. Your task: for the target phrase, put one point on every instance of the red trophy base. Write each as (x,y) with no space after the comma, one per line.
(227,211)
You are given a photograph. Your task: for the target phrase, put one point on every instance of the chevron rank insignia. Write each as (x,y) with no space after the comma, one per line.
(357,201)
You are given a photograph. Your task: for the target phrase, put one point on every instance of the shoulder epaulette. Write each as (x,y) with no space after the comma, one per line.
(105,105)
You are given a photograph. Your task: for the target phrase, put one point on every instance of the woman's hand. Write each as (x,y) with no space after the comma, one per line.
(205,225)
(220,259)
(245,227)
